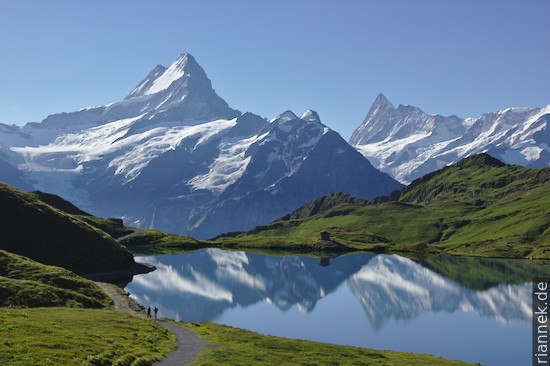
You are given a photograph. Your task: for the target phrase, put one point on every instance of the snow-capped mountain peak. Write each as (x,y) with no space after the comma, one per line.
(174,156)
(181,92)
(162,78)
(407,143)
(382,101)
(310,116)
(146,84)
(286,116)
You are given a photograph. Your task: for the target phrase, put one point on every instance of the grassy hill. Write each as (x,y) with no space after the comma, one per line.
(478,206)
(62,336)
(24,282)
(233,346)
(46,234)
(160,240)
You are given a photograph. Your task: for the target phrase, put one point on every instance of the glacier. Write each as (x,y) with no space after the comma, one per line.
(172,155)
(408,143)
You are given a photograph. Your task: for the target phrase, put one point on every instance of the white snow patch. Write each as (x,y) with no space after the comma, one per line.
(531,153)
(171,74)
(227,167)
(387,147)
(131,153)
(87,145)
(159,140)
(309,116)
(286,116)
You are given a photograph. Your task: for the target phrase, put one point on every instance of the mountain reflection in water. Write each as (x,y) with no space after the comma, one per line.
(470,309)
(201,285)
(397,287)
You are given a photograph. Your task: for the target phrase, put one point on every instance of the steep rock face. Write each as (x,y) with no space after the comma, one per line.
(408,143)
(173,156)
(294,161)
(182,92)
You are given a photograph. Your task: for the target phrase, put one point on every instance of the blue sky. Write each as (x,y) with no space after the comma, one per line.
(449,57)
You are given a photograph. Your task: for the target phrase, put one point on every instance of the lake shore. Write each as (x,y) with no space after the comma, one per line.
(153,242)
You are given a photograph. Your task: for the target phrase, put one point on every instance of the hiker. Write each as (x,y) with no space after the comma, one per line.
(155,310)
(148,312)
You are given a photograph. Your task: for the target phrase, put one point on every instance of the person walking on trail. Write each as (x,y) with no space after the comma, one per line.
(156,311)
(148,312)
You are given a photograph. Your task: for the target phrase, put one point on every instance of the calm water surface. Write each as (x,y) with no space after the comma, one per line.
(474,310)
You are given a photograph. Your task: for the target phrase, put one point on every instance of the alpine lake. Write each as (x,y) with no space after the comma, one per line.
(476,310)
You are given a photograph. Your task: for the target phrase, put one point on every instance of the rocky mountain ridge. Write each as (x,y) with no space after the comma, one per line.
(173,156)
(408,143)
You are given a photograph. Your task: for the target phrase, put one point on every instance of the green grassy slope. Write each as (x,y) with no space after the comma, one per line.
(31,228)
(114,227)
(161,240)
(24,282)
(61,336)
(232,346)
(478,206)
(59,203)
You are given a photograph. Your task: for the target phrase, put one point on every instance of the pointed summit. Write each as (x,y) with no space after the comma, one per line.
(285,117)
(162,78)
(376,124)
(180,92)
(382,101)
(310,116)
(187,64)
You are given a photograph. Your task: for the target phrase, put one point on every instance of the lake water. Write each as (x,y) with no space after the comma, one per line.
(474,310)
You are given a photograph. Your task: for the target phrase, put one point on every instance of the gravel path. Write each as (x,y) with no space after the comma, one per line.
(189,344)
(121,301)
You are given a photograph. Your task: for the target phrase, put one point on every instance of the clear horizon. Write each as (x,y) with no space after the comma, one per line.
(453,58)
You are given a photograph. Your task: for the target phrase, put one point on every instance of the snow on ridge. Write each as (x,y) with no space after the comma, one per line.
(159,140)
(88,144)
(131,153)
(85,109)
(526,126)
(228,167)
(310,116)
(284,117)
(379,153)
(399,149)
(174,72)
